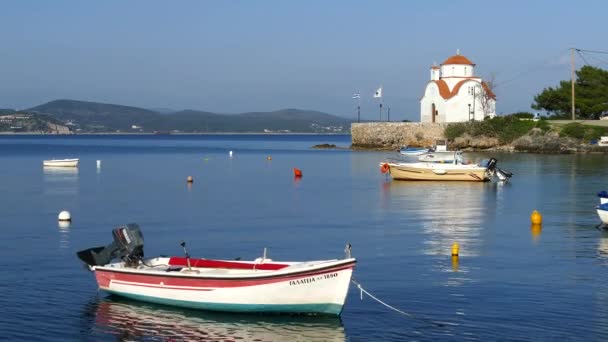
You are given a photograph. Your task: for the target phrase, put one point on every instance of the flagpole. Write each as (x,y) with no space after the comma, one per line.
(359,109)
(380,109)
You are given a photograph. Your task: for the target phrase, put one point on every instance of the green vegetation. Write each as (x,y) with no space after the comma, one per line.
(504,128)
(591,95)
(583,132)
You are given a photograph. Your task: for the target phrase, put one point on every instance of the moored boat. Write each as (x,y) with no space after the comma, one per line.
(442,157)
(261,285)
(603,195)
(602,212)
(414,151)
(61,162)
(424,171)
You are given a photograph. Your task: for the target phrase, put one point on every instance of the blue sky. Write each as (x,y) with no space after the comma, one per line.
(236,56)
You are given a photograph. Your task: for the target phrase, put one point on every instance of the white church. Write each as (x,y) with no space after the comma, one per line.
(455,94)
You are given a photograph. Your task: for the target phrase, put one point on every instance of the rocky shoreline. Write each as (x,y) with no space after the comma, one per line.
(536,142)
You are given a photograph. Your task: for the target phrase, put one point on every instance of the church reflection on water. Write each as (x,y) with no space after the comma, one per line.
(447,212)
(130,320)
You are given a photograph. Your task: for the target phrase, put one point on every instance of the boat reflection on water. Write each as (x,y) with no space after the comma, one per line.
(448,212)
(60,180)
(130,320)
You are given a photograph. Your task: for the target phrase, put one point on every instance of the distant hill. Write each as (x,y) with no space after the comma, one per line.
(101,117)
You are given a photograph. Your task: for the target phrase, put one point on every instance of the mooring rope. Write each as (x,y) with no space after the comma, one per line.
(362,291)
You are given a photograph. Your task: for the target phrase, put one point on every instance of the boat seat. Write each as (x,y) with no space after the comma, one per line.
(209,263)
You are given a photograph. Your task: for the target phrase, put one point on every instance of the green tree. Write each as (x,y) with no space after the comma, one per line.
(591,95)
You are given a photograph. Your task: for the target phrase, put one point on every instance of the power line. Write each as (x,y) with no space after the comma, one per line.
(592,51)
(583,57)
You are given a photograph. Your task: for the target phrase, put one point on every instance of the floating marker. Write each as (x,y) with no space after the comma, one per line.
(64,216)
(99,164)
(454,263)
(189,179)
(536,217)
(536,229)
(269,158)
(230,154)
(297,172)
(455,249)
(385,168)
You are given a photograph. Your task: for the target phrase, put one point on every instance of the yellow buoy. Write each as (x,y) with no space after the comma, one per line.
(189,179)
(455,249)
(455,263)
(536,217)
(536,229)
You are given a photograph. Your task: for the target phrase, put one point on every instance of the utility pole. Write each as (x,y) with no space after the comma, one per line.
(389,114)
(572,81)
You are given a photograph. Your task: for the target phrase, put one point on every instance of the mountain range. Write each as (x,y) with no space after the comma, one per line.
(84,116)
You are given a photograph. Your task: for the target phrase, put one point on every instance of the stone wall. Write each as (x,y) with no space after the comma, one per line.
(392,135)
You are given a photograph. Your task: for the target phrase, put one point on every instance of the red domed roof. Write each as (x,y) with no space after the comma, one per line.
(458,59)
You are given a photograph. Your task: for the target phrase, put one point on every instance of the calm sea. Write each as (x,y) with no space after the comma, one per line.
(511,282)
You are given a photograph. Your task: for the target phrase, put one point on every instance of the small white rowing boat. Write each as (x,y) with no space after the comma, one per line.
(261,285)
(61,162)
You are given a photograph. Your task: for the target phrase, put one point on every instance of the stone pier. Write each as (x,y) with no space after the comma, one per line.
(392,135)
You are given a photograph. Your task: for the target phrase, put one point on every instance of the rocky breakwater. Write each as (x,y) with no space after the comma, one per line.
(392,135)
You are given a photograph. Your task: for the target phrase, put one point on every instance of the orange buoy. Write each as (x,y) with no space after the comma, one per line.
(297,172)
(189,179)
(385,168)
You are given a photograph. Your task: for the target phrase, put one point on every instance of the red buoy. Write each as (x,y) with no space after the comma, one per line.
(385,168)
(297,172)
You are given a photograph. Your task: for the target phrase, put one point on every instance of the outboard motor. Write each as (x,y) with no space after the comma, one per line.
(491,164)
(128,245)
(503,175)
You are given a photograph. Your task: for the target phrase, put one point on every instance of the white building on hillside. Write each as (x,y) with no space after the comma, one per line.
(455,94)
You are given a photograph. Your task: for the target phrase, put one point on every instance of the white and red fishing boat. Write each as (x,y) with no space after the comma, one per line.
(261,285)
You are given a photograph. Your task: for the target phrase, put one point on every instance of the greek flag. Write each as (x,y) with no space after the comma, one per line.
(357,95)
(378,93)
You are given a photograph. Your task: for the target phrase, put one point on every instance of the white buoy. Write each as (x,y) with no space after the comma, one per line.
(64,216)
(99,164)
(230,154)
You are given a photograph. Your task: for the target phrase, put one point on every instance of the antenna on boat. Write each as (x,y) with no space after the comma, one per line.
(183,244)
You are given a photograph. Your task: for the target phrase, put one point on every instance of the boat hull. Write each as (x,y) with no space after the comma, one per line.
(603,214)
(61,163)
(438,172)
(311,292)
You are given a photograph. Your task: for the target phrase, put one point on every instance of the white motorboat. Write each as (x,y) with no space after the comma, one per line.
(603,195)
(602,212)
(61,162)
(444,172)
(442,157)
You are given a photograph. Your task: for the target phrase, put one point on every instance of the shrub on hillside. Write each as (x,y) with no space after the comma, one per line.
(583,132)
(455,130)
(504,128)
(523,115)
